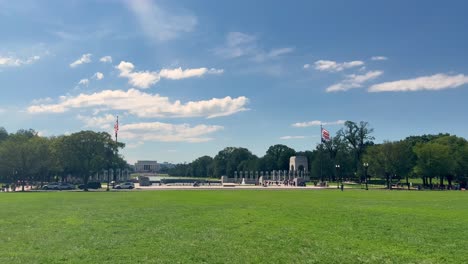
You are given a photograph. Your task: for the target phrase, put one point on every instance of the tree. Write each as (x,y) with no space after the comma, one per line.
(21,155)
(458,166)
(279,156)
(88,152)
(390,159)
(202,167)
(228,160)
(358,136)
(434,160)
(334,147)
(3,134)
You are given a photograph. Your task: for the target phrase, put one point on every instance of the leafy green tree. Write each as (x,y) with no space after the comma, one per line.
(87,152)
(228,159)
(434,160)
(279,156)
(20,155)
(458,167)
(358,137)
(3,134)
(390,159)
(202,167)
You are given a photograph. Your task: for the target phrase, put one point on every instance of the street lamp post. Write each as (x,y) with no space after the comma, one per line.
(366,165)
(337,169)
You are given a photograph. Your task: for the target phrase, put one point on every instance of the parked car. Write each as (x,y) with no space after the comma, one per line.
(125,185)
(91,185)
(51,186)
(58,186)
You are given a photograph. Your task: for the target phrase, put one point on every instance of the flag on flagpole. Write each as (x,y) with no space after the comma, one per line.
(116,127)
(325,135)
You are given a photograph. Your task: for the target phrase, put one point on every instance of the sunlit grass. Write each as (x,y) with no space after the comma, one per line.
(234,226)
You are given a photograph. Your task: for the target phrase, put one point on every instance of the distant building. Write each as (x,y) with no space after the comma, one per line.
(298,163)
(150,166)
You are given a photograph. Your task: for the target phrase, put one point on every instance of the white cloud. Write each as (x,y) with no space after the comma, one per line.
(15,62)
(379,58)
(139,79)
(278,52)
(42,100)
(435,82)
(178,73)
(165,132)
(333,66)
(306,66)
(98,76)
(106,59)
(145,105)
(292,137)
(145,79)
(85,58)
(238,44)
(159,24)
(318,123)
(274,53)
(104,122)
(215,71)
(84,82)
(354,81)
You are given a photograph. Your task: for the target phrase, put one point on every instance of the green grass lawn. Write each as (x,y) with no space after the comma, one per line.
(234,226)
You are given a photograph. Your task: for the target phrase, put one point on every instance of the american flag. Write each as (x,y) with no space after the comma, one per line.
(325,135)
(116,126)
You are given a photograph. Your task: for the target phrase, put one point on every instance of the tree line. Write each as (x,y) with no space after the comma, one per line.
(428,157)
(26,156)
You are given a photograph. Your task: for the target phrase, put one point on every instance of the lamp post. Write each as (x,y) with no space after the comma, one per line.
(337,169)
(366,165)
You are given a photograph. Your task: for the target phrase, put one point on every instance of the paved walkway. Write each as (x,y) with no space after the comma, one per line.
(228,187)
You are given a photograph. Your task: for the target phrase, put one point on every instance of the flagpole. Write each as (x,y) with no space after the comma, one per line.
(320,151)
(116,128)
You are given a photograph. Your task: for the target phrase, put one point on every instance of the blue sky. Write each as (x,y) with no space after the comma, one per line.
(188,78)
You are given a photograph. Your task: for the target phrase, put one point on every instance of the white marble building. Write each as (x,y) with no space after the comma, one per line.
(146,166)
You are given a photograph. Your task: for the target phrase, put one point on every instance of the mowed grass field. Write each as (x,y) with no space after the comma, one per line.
(234,226)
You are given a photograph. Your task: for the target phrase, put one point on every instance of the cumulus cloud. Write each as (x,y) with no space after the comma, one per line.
(159,24)
(145,79)
(354,81)
(85,58)
(165,132)
(435,82)
(292,137)
(15,62)
(379,58)
(306,66)
(98,76)
(333,66)
(142,79)
(318,123)
(103,122)
(145,104)
(106,59)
